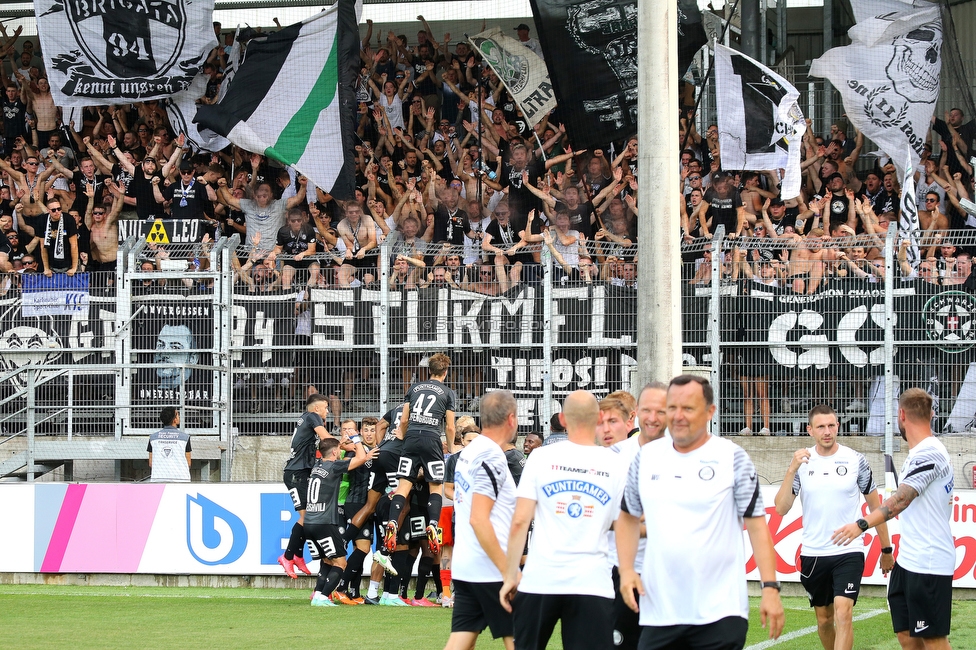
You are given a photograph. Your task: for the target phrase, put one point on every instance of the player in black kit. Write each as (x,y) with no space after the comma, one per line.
(428,412)
(381,477)
(322,517)
(309,429)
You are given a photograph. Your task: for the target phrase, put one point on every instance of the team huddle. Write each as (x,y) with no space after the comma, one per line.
(627,529)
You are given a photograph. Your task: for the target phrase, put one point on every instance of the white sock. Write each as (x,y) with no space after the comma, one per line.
(374,589)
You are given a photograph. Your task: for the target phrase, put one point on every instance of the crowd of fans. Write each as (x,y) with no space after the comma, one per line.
(463,190)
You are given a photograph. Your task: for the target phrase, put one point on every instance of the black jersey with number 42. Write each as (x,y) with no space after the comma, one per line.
(429,403)
(323,492)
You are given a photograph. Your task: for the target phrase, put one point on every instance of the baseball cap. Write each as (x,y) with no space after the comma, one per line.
(522,26)
(832,177)
(186,166)
(777,201)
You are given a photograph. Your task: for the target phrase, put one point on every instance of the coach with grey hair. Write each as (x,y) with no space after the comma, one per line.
(484,502)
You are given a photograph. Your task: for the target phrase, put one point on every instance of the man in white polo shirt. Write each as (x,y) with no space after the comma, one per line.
(830,479)
(695,491)
(920,591)
(484,501)
(573,491)
(169,450)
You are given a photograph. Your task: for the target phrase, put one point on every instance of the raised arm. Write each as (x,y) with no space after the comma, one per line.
(104,164)
(299,198)
(174,160)
(224,195)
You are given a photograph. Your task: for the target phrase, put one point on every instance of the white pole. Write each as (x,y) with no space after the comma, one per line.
(658,296)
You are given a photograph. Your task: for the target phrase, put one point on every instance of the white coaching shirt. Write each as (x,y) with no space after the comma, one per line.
(577,490)
(628,450)
(926,544)
(481,469)
(693,504)
(830,489)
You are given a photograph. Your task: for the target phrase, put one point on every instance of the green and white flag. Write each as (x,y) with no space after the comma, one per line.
(293,98)
(522,71)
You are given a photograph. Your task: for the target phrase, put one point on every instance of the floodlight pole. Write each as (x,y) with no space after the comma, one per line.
(659,251)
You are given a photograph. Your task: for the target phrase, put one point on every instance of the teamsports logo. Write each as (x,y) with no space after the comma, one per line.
(949,318)
(214,535)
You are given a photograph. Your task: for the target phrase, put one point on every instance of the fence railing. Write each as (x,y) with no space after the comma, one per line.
(779,325)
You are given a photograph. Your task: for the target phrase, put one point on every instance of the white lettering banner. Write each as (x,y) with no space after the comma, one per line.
(121,51)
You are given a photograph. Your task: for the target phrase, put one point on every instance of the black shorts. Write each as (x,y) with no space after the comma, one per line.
(422,452)
(368,263)
(727,633)
(297,483)
(477,606)
(920,603)
(348,511)
(587,621)
(830,576)
(299,264)
(326,541)
(626,622)
(413,530)
(383,472)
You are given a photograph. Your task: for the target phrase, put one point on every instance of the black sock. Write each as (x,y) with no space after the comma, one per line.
(351,532)
(388,584)
(398,503)
(423,570)
(348,582)
(355,582)
(434,508)
(401,562)
(295,541)
(408,562)
(435,572)
(327,584)
(323,577)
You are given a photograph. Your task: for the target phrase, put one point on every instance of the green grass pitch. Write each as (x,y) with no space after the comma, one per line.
(41,616)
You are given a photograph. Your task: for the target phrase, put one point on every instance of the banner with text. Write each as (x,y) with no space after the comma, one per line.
(241,529)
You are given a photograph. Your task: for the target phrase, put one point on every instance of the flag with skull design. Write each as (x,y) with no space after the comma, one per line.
(888,77)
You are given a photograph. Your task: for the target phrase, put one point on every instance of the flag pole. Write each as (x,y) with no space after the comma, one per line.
(708,73)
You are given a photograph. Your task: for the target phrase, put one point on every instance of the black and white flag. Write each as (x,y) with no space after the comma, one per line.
(760,124)
(122,51)
(522,71)
(889,75)
(181,108)
(595,45)
(293,96)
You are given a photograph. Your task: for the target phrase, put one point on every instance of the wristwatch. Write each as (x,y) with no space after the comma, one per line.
(887,550)
(862,524)
(772,585)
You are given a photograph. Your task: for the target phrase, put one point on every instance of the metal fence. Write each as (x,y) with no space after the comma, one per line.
(778,325)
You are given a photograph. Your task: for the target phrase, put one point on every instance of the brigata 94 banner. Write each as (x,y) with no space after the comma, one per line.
(241,529)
